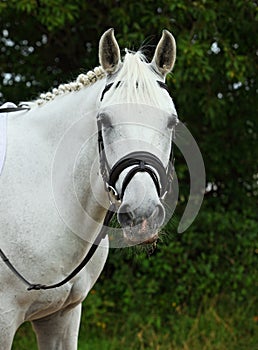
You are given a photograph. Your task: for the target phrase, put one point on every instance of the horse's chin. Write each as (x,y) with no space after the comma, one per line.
(133,237)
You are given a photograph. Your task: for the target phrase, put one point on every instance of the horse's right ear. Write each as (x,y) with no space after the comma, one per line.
(165,54)
(109,52)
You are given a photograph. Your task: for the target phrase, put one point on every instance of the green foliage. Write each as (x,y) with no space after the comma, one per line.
(218,256)
(219,325)
(53,14)
(46,42)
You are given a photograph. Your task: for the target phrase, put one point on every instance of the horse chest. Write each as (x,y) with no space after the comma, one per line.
(44,303)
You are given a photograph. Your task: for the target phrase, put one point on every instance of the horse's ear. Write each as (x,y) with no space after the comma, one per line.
(165,53)
(109,52)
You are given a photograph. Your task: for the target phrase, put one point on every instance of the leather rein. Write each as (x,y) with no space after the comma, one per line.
(138,161)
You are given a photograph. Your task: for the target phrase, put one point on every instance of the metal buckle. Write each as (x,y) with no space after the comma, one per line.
(111,190)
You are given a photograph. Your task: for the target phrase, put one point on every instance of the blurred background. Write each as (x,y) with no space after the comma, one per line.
(198,290)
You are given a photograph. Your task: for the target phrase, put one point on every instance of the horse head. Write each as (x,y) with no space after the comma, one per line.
(136,119)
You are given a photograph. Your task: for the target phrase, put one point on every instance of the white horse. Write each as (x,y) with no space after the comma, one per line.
(53,201)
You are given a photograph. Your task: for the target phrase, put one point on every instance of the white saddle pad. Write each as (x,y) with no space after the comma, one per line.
(3,138)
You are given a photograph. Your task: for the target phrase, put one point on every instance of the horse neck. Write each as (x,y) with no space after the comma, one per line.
(70,129)
(57,116)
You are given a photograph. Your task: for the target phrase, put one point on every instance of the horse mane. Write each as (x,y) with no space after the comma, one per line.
(135,82)
(82,81)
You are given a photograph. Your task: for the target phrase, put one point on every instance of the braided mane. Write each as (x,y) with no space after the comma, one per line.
(82,80)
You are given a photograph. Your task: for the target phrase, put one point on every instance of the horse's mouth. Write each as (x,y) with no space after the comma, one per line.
(143,236)
(151,240)
(138,241)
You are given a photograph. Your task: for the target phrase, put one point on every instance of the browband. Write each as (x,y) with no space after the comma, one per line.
(108,86)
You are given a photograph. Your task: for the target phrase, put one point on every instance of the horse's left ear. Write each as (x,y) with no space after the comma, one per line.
(109,52)
(165,53)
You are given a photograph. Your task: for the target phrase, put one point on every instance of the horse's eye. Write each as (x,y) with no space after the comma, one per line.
(172,121)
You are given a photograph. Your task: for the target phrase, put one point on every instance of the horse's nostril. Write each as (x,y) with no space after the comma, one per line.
(158,215)
(125,216)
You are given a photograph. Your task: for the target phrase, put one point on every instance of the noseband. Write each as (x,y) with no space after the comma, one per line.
(137,162)
(140,161)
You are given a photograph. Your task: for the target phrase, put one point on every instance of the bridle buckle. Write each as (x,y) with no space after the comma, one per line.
(112,192)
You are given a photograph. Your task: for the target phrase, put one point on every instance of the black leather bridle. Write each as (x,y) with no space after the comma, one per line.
(138,161)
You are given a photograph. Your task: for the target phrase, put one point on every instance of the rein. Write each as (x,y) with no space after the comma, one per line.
(13,109)
(37,286)
(141,162)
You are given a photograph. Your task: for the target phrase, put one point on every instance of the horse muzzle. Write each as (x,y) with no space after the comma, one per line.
(139,229)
